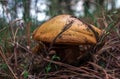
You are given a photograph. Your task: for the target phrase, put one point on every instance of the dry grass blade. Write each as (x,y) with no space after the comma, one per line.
(82,71)
(70,67)
(107,76)
(4,58)
(1,30)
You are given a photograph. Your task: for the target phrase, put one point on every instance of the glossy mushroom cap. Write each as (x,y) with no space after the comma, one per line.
(77,33)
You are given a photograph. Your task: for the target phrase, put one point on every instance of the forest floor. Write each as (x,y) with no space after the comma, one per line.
(18,61)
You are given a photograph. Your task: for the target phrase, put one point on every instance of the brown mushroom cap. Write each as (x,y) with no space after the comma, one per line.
(78,33)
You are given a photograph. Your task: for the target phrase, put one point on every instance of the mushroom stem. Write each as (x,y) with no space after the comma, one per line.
(67,53)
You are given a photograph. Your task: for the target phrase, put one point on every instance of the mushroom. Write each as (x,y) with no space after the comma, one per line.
(64,33)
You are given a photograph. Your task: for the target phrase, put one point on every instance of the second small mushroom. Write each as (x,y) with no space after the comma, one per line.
(64,33)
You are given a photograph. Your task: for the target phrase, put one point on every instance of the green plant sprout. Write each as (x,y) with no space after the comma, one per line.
(48,68)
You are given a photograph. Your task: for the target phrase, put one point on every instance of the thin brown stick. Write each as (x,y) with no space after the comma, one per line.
(1,30)
(4,58)
(73,68)
(66,27)
(107,76)
(70,67)
(28,34)
(104,20)
(15,55)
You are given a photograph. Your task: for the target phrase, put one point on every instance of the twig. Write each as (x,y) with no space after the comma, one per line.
(104,20)
(4,74)
(70,67)
(84,72)
(15,54)
(28,35)
(107,76)
(4,58)
(66,27)
(3,29)
(15,46)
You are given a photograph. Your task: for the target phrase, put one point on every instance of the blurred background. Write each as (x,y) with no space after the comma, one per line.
(42,10)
